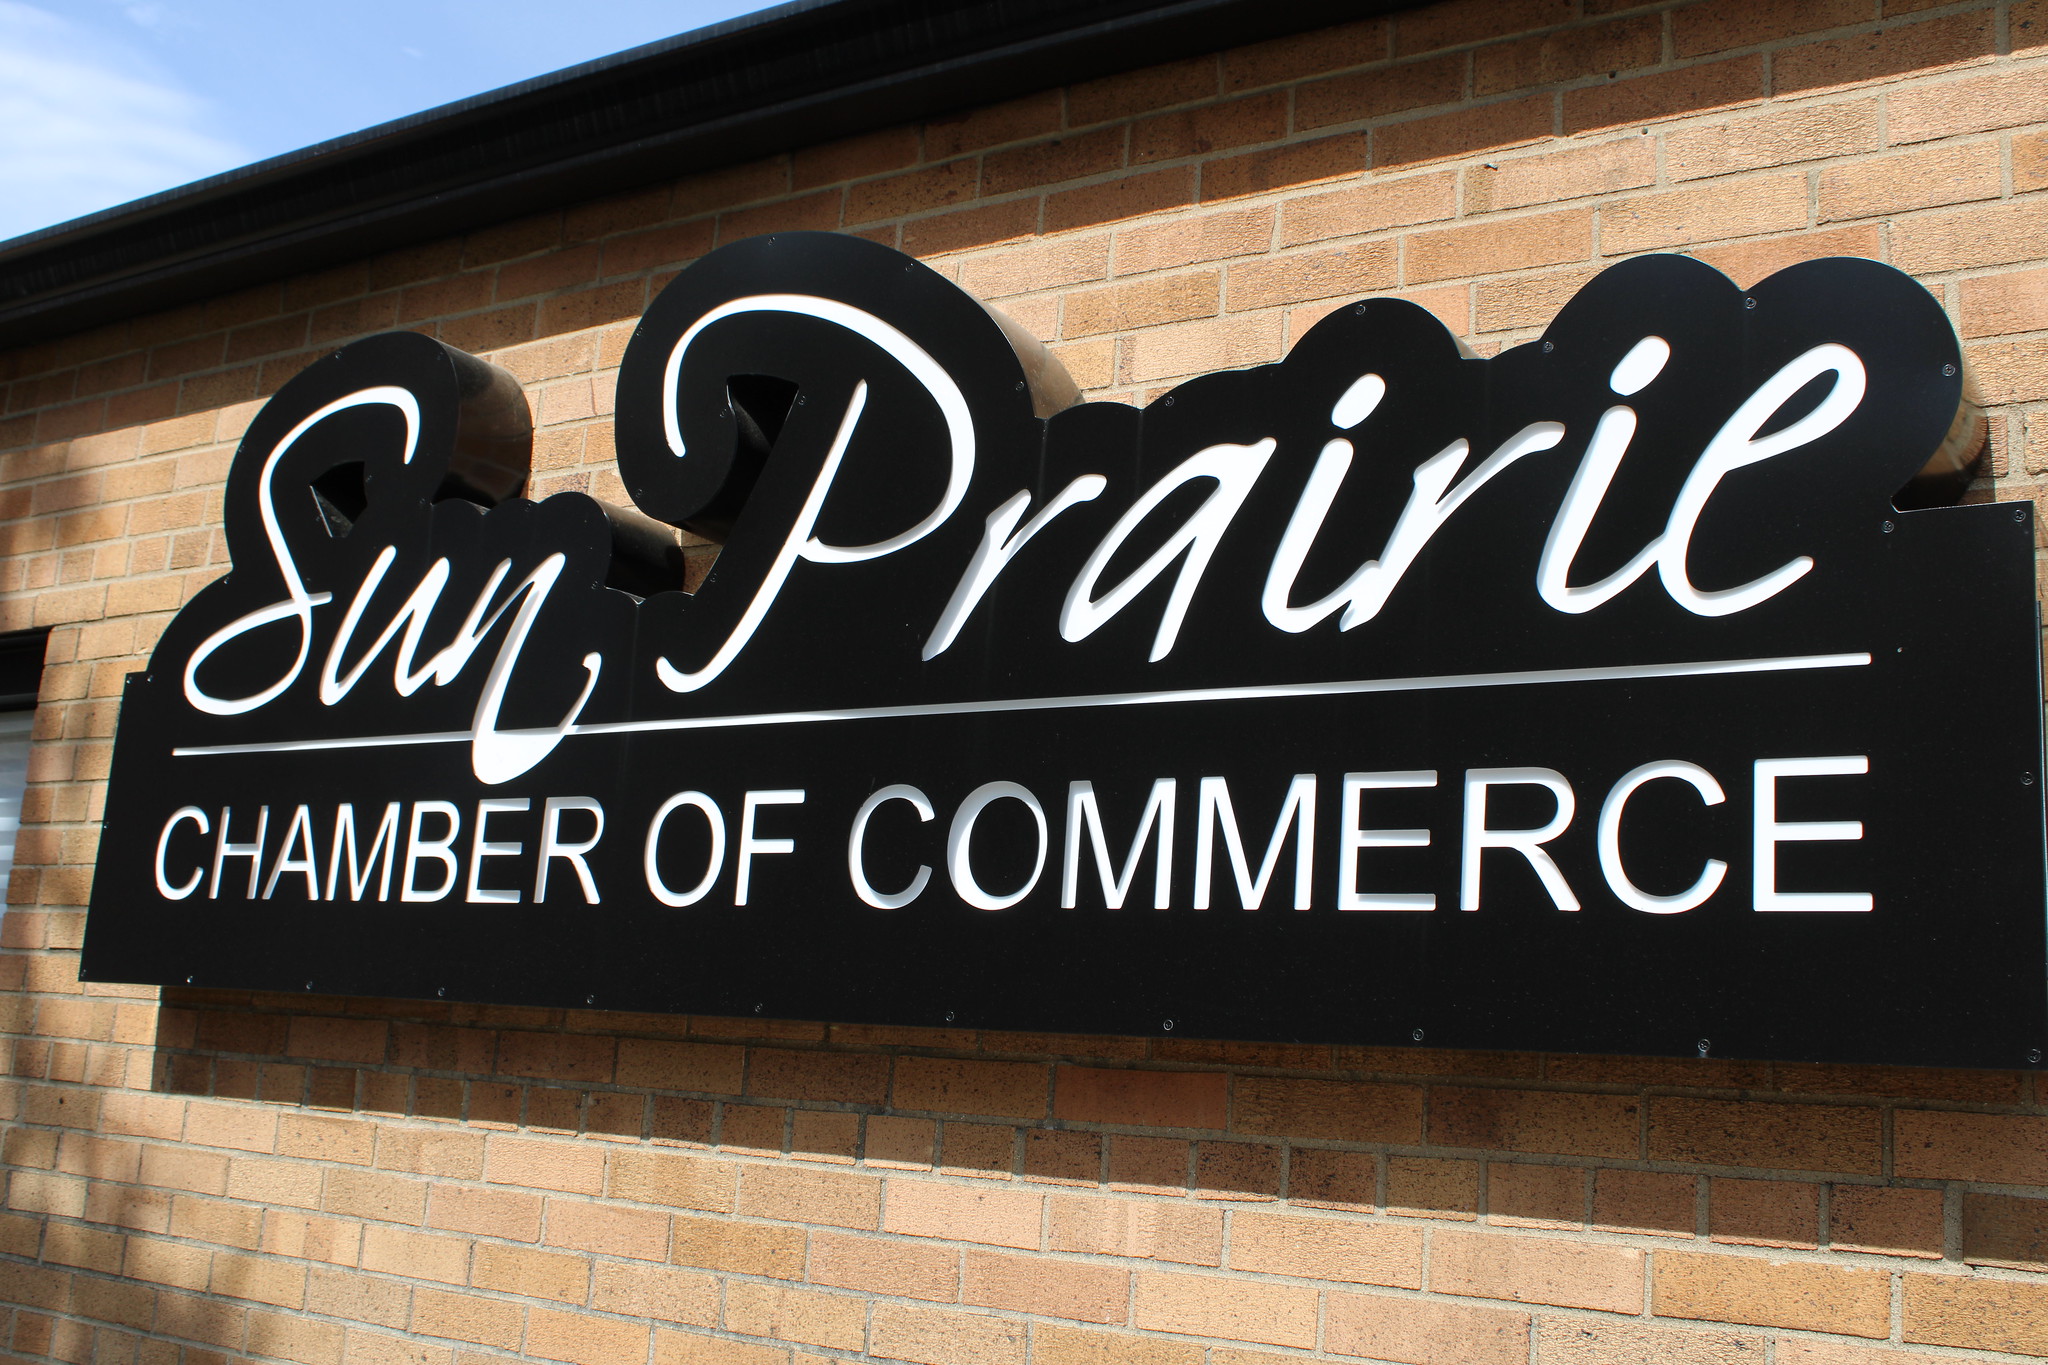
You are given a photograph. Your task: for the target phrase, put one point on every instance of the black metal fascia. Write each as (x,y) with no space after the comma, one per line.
(799,74)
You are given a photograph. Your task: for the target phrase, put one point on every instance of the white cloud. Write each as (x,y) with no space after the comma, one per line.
(86,124)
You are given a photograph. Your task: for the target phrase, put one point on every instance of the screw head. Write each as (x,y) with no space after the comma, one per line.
(2026,779)
(590,999)
(1749,303)
(949,1016)
(1948,372)
(757,1009)
(1886,528)
(1416,1035)
(1167,401)
(2034,1055)
(1549,346)
(309,985)
(441,991)
(1704,1044)
(1359,309)
(1167,1025)
(188,980)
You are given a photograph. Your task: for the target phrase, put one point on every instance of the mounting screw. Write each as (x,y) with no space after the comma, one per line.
(2034,1055)
(1020,386)
(1168,1026)
(1948,372)
(1704,1045)
(1358,308)
(309,985)
(802,399)
(1167,401)
(1749,303)
(2019,514)
(590,999)
(2026,779)
(949,1016)
(757,1009)
(1886,528)
(1416,1035)
(188,980)
(1549,346)
(441,992)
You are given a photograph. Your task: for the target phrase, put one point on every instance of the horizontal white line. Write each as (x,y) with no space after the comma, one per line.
(1269,692)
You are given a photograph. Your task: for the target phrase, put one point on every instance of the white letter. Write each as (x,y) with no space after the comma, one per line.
(418,850)
(223,850)
(386,844)
(1617,426)
(163,842)
(1213,810)
(552,847)
(959,864)
(1082,812)
(480,849)
(749,845)
(1349,897)
(297,604)
(998,546)
(1235,469)
(1735,446)
(298,834)
(1626,891)
(1527,842)
(713,818)
(881,900)
(1769,832)
(1363,594)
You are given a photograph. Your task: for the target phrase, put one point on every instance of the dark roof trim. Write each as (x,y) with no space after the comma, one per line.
(787,77)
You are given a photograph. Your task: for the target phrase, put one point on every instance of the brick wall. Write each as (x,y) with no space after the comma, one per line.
(220,1176)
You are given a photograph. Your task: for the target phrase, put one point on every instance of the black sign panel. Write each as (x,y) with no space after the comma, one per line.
(1590,697)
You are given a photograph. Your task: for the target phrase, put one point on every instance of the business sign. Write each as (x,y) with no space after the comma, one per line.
(1593,696)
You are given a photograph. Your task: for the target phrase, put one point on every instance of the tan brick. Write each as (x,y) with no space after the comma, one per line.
(1489,1265)
(1349,272)
(1036,265)
(1431,1188)
(1890,1222)
(1327,1249)
(1490,247)
(959,1086)
(642,1291)
(963,1212)
(1521,1194)
(1973,104)
(533,1273)
(938,1336)
(746,1248)
(844,1077)
(583,1338)
(1804,1137)
(1122,307)
(665,1065)
(1893,50)
(1465,131)
(677,1179)
(374,1194)
(414,1254)
(1911,180)
(1147,1229)
(885,1265)
(1705,213)
(1237,1310)
(335,1240)
(1147,1099)
(1193,348)
(1995,305)
(257,1279)
(488,1213)
(2003,1230)
(1803,1295)
(1588,1341)
(1776,137)
(782,1313)
(544,1164)
(1046,1285)
(1052,1345)
(607,1229)
(1771,1213)
(1999,234)
(1535,1121)
(466,1317)
(1424,1331)
(1760,257)
(1977,1314)
(796,1194)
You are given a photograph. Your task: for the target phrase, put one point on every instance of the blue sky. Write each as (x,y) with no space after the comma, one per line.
(104,101)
